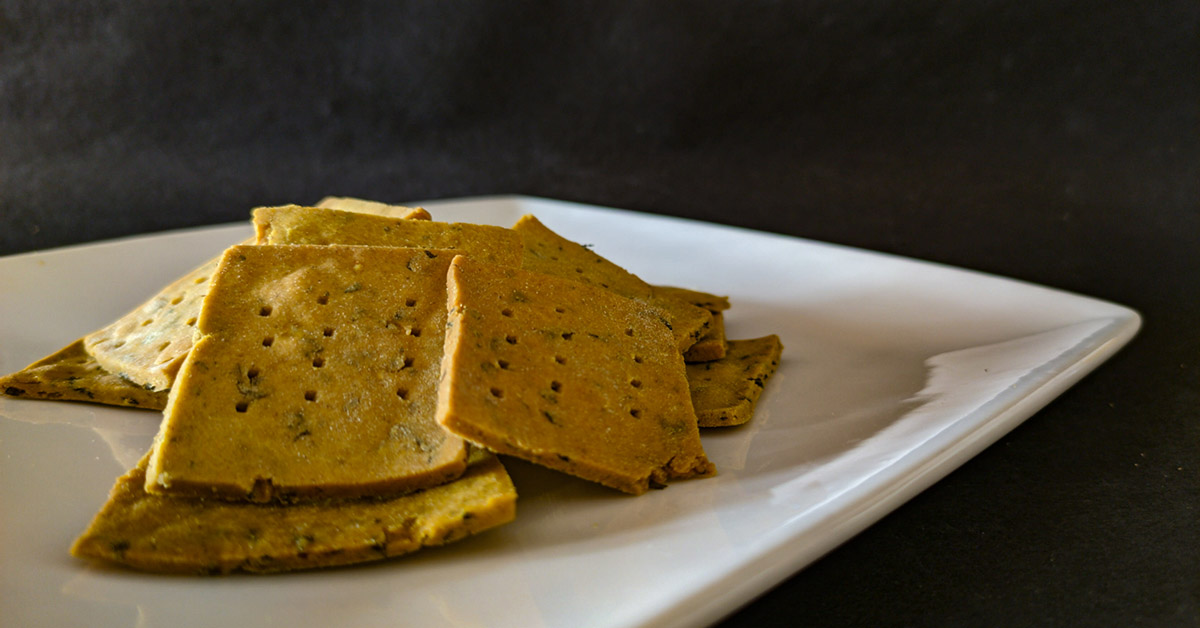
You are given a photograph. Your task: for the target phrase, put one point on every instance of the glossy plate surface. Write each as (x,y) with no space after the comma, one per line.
(894,373)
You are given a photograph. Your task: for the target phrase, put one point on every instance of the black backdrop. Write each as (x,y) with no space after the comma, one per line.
(1052,141)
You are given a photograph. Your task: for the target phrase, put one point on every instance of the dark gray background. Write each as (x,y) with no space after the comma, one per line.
(1052,141)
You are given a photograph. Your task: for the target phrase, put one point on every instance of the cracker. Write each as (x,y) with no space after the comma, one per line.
(300,225)
(724,392)
(314,374)
(706,300)
(70,374)
(148,345)
(549,253)
(710,346)
(363,206)
(567,375)
(182,535)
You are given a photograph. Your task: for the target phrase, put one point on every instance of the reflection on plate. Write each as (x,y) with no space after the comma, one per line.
(894,373)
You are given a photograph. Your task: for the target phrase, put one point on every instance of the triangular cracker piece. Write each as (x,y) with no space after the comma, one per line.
(147,345)
(70,374)
(549,253)
(725,391)
(314,374)
(566,375)
(182,535)
(303,225)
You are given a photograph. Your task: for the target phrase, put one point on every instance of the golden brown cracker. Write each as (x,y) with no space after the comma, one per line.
(314,374)
(549,253)
(147,345)
(208,536)
(706,300)
(567,375)
(710,346)
(71,374)
(300,225)
(725,391)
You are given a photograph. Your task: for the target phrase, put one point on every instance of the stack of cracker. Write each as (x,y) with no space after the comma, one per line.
(336,390)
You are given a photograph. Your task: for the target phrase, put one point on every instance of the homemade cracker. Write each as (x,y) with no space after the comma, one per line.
(710,346)
(724,392)
(70,374)
(549,253)
(567,375)
(706,300)
(209,536)
(148,345)
(303,225)
(314,374)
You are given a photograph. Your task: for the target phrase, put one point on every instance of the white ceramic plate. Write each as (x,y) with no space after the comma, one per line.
(894,373)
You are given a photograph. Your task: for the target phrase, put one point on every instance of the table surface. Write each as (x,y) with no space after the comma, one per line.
(1056,143)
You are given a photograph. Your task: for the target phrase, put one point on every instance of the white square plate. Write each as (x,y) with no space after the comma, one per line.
(894,373)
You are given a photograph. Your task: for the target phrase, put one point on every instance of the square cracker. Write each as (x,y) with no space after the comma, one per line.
(566,375)
(148,345)
(302,225)
(70,374)
(725,391)
(549,253)
(182,535)
(314,374)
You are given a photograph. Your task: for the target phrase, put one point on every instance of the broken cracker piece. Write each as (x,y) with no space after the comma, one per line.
(208,536)
(725,391)
(710,346)
(314,374)
(706,300)
(302,225)
(70,374)
(567,375)
(549,253)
